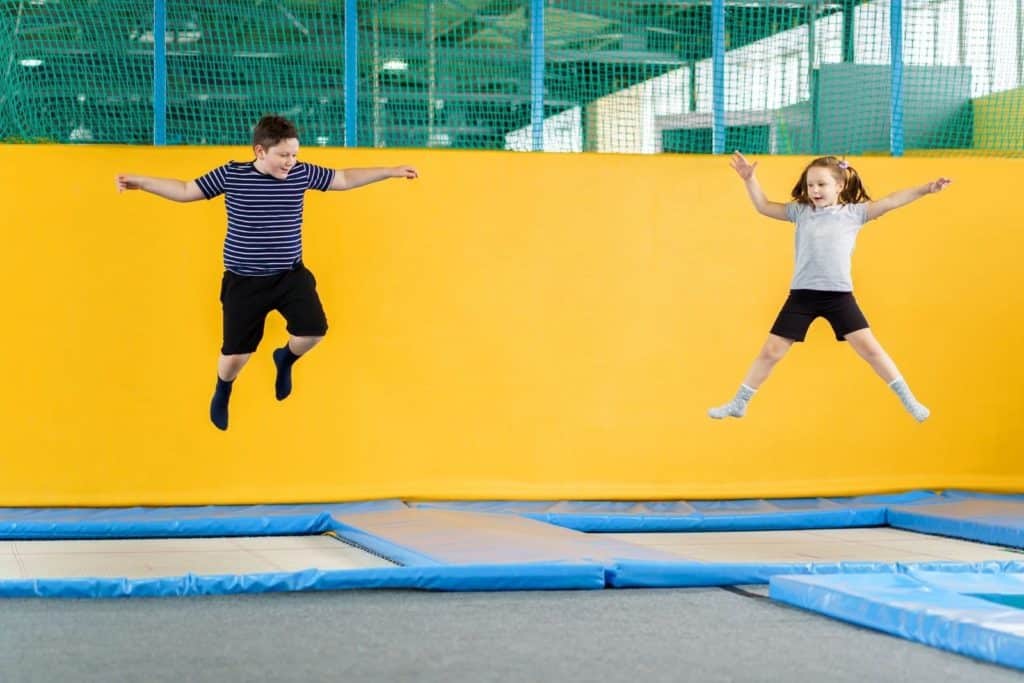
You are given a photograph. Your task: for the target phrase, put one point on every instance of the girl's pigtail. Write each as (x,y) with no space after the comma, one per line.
(853,190)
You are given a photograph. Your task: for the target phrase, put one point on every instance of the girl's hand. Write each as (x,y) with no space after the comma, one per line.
(744,168)
(128,182)
(937,185)
(407,172)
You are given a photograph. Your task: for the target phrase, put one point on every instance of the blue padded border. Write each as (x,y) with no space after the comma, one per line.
(988,520)
(908,606)
(620,565)
(22,524)
(377,545)
(733,515)
(641,574)
(451,537)
(419,571)
(980,577)
(682,574)
(553,576)
(961,494)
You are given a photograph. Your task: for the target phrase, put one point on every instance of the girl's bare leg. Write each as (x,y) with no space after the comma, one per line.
(868,348)
(773,350)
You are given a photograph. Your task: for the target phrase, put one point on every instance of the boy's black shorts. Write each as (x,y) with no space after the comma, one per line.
(804,305)
(247,300)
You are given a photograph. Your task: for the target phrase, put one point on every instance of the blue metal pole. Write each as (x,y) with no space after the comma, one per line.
(537,74)
(159,72)
(351,74)
(717,76)
(896,41)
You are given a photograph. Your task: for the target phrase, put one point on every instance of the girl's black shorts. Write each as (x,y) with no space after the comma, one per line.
(804,305)
(247,299)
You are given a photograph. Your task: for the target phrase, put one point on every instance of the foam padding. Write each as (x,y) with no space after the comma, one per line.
(512,546)
(980,577)
(440,550)
(565,576)
(682,574)
(455,537)
(994,519)
(197,521)
(731,515)
(935,607)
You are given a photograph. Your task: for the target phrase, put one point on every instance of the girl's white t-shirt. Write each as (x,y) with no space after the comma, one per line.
(824,244)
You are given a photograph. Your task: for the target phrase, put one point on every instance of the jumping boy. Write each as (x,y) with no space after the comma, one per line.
(263,269)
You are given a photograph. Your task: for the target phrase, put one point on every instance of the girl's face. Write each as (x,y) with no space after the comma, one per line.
(822,187)
(279,159)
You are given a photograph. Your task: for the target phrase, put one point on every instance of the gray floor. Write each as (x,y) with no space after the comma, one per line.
(611,635)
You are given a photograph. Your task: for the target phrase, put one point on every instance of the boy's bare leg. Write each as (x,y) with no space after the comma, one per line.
(228,367)
(868,348)
(773,350)
(284,359)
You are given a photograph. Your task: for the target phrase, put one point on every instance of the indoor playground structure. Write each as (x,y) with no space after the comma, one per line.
(523,343)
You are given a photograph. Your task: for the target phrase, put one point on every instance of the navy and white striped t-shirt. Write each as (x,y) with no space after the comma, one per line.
(264,214)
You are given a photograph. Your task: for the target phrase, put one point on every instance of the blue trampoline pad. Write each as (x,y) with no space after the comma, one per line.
(452,537)
(971,610)
(730,558)
(462,578)
(171,522)
(438,549)
(729,515)
(537,545)
(987,518)
(205,566)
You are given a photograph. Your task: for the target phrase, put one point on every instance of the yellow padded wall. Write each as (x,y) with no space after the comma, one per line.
(508,326)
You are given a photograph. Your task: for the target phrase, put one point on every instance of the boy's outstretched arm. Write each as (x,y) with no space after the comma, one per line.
(745,170)
(904,197)
(351,178)
(168,188)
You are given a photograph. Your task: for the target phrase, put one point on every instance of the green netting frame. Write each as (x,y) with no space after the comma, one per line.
(796,77)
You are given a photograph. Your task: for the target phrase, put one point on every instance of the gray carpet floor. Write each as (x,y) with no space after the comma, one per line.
(612,635)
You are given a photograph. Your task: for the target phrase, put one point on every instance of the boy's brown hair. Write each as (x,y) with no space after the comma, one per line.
(271,130)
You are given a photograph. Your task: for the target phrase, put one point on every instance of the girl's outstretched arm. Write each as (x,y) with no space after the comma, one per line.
(745,170)
(904,197)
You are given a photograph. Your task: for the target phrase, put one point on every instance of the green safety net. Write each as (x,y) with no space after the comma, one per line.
(794,77)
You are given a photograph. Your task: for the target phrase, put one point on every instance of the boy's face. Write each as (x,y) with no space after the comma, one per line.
(278,159)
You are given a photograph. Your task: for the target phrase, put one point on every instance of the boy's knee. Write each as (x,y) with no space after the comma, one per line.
(300,344)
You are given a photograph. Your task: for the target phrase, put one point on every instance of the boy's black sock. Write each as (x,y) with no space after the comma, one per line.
(284,359)
(219,404)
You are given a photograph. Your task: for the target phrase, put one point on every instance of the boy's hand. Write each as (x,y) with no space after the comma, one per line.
(407,172)
(128,182)
(938,185)
(744,168)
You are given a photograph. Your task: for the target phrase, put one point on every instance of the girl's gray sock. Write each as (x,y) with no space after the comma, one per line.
(737,407)
(912,405)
